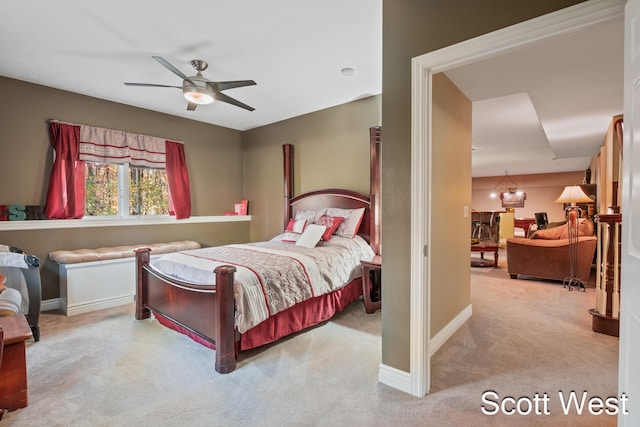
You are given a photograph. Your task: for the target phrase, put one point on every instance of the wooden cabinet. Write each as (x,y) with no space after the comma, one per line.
(13,371)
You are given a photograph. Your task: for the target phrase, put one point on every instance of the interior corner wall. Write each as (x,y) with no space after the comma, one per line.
(412,28)
(213,154)
(330,150)
(449,270)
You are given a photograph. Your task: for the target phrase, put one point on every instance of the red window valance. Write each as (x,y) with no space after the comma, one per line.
(115,146)
(75,144)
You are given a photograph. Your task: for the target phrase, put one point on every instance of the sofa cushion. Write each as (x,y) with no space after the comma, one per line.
(585,228)
(554,233)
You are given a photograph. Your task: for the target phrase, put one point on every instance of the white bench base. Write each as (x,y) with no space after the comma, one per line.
(96,285)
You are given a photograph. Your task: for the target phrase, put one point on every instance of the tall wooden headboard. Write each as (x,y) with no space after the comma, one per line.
(340,198)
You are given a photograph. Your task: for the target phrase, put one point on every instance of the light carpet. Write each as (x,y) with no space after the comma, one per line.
(524,337)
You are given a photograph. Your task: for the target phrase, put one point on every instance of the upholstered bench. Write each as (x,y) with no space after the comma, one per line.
(94,279)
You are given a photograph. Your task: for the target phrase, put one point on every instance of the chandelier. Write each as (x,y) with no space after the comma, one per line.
(505,185)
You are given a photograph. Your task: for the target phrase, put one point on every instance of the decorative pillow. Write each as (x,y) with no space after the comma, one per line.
(312,217)
(296,226)
(290,237)
(352,220)
(585,228)
(331,223)
(311,236)
(554,233)
(556,224)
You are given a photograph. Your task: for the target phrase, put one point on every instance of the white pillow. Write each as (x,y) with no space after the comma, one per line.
(311,236)
(289,237)
(10,302)
(352,220)
(310,216)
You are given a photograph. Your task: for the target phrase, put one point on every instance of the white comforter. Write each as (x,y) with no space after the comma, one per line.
(272,276)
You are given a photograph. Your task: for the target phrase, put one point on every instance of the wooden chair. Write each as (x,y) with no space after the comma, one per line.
(541,220)
(485,227)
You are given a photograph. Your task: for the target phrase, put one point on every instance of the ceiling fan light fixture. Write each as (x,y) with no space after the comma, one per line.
(197,95)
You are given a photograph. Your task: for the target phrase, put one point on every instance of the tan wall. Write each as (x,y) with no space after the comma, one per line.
(451,187)
(412,28)
(331,150)
(541,190)
(214,160)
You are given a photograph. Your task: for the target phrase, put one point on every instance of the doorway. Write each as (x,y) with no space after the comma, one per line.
(423,68)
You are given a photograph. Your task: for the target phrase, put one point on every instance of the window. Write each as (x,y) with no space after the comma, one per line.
(123,190)
(75,145)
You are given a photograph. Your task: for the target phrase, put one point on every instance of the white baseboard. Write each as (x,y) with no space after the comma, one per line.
(98,305)
(395,378)
(58,304)
(51,304)
(441,337)
(401,380)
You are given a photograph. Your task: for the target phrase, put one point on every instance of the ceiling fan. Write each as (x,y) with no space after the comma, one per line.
(197,89)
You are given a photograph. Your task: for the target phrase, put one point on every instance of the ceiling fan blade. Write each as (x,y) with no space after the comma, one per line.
(232,84)
(226,98)
(173,69)
(150,85)
(191,106)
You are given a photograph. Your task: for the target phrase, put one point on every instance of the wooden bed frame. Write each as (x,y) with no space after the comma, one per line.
(206,312)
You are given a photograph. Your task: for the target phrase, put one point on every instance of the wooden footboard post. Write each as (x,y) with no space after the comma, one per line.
(142,259)
(225,324)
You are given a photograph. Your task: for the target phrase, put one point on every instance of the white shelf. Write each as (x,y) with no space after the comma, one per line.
(51,224)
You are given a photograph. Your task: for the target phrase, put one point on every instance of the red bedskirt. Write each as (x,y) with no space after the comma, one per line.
(301,316)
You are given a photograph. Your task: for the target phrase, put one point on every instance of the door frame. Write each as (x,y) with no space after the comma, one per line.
(562,22)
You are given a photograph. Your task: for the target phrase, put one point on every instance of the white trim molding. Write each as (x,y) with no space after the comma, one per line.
(51,304)
(448,331)
(420,323)
(400,380)
(562,22)
(50,224)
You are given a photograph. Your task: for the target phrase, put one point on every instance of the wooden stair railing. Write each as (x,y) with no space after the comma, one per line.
(606,314)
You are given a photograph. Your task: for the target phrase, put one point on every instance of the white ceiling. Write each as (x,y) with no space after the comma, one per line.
(543,109)
(294,50)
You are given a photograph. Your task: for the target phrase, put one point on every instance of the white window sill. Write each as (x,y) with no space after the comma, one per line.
(115,222)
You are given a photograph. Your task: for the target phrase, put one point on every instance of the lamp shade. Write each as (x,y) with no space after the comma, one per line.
(573,194)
